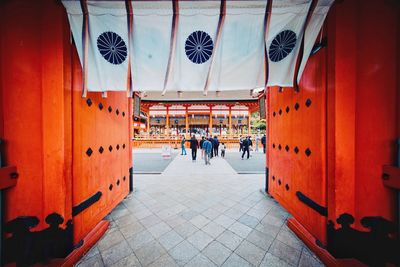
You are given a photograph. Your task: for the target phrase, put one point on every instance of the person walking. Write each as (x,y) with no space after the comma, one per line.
(207,147)
(264,142)
(183,141)
(212,146)
(216,146)
(240,143)
(201,147)
(223,148)
(194,144)
(257,142)
(246,147)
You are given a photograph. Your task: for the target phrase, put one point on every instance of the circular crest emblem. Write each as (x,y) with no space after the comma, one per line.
(199,47)
(112,47)
(282,45)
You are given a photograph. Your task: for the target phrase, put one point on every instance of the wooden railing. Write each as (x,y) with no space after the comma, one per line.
(142,142)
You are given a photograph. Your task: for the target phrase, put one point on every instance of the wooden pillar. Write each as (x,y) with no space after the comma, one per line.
(230,121)
(210,124)
(167,122)
(248,123)
(148,125)
(187,122)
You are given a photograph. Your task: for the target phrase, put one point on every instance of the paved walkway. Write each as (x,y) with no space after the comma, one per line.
(197,215)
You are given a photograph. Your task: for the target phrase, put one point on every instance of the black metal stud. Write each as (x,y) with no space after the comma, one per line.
(287,109)
(89,152)
(123,146)
(296,106)
(117,112)
(273,178)
(287,187)
(123,114)
(308,152)
(279,182)
(110,109)
(273,145)
(110,187)
(308,102)
(274,114)
(287,148)
(296,150)
(101,106)
(110,148)
(117,147)
(280,112)
(89,102)
(279,147)
(101,150)
(124,178)
(118,182)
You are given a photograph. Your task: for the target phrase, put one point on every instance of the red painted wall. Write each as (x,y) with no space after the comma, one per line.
(48,126)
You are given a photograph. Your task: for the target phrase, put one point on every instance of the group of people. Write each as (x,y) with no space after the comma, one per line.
(210,147)
(245,143)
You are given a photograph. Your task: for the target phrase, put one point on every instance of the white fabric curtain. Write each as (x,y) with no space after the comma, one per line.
(235,62)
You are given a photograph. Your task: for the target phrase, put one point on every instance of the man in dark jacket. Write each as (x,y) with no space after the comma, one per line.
(264,142)
(216,146)
(194,144)
(212,146)
(201,146)
(246,147)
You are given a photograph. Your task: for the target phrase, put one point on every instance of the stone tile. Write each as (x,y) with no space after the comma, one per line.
(248,220)
(149,221)
(118,213)
(128,219)
(289,239)
(116,253)
(200,261)
(131,229)
(224,220)
(159,229)
(213,229)
(186,229)
(188,214)
(230,240)
(256,213)
(240,229)
(306,260)
(200,240)
(273,261)
(211,213)
(268,229)
(95,261)
(260,239)
(166,213)
(272,220)
(131,260)
(109,240)
(233,213)
(92,252)
(183,253)
(170,239)
(250,252)
(199,221)
(142,214)
(164,261)
(216,252)
(149,253)
(235,261)
(285,252)
(175,221)
(220,208)
(140,239)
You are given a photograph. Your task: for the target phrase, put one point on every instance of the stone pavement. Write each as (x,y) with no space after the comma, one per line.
(197,215)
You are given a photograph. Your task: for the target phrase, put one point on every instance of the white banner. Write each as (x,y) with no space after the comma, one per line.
(237,61)
(312,31)
(284,39)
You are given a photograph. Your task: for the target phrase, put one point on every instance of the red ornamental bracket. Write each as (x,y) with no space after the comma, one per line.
(391,176)
(8,177)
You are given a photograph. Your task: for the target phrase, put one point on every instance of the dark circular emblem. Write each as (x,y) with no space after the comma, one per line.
(199,47)
(282,45)
(112,47)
